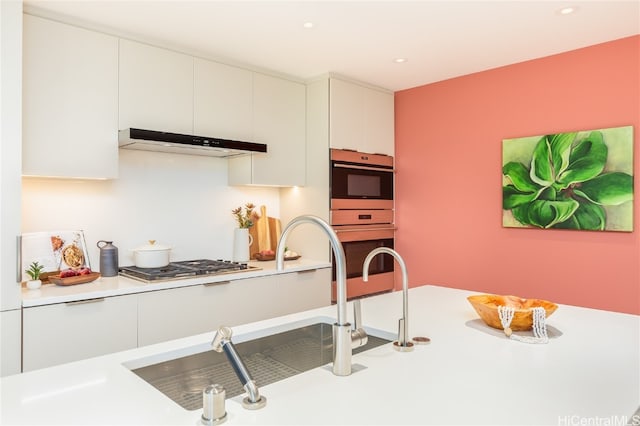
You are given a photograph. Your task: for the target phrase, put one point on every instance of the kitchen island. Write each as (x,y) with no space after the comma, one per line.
(588,373)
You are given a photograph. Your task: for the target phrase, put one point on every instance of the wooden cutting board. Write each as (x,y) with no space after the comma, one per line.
(273,227)
(253,247)
(275,230)
(262,228)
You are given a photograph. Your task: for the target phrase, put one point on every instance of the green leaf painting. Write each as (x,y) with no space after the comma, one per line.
(578,180)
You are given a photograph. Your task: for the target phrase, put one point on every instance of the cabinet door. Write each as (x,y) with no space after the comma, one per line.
(279,121)
(223,101)
(10,342)
(181,312)
(186,311)
(65,332)
(281,294)
(345,115)
(70,101)
(297,292)
(156,88)
(378,120)
(360,118)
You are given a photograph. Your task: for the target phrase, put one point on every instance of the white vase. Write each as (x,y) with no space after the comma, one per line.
(34,284)
(241,242)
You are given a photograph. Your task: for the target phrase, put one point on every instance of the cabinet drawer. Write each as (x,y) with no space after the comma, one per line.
(65,332)
(181,312)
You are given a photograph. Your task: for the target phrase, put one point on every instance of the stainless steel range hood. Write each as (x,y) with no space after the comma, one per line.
(151,140)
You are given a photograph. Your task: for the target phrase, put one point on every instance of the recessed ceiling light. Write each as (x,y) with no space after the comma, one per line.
(400,60)
(567,10)
(308,25)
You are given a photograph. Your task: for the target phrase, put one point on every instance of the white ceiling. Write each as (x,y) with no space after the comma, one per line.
(359,39)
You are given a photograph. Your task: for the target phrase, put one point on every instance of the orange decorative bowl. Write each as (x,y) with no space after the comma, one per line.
(486,305)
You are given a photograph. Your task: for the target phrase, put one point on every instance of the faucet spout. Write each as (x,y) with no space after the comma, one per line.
(338,254)
(344,339)
(222,343)
(403,343)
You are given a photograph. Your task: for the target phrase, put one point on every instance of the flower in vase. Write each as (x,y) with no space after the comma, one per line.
(245,216)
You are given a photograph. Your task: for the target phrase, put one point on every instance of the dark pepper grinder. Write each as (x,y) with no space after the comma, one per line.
(108,258)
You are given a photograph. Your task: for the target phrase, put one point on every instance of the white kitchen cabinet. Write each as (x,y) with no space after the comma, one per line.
(222,101)
(70,101)
(155,88)
(11,29)
(181,312)
(10,342)
(360,118)
(65,332)
(279,119)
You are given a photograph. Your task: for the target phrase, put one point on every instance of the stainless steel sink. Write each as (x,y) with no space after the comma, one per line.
(269,358)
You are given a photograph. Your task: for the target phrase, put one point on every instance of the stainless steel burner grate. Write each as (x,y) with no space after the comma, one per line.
(185,269)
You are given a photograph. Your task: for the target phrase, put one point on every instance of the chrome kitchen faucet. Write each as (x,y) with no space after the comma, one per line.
(344,338)
(403,344)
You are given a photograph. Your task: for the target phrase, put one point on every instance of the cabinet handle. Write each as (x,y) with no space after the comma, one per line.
(306,271)
(82,302)
(353,166)
(19,258)
(216,283)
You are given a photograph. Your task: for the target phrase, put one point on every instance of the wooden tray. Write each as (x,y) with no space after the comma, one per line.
(78,279)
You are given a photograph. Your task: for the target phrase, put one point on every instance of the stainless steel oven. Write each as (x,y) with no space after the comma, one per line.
(362,217)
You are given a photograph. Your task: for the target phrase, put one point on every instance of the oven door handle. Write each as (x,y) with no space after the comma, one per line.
(353,166)
(385,228)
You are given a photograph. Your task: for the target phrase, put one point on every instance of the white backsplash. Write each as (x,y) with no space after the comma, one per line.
(179,200)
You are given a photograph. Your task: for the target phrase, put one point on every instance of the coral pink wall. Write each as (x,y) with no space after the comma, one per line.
(449,186)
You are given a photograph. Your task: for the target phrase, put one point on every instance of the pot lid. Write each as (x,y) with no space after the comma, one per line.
(152,246)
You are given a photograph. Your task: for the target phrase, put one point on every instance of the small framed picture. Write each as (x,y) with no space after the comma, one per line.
(56,251)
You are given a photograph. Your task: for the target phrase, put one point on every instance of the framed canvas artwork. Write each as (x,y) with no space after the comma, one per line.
(577,180)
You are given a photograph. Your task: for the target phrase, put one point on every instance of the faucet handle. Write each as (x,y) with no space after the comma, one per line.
(358,335)
(357,314)
(222,336)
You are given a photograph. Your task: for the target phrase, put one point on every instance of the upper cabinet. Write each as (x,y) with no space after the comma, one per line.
(70,101)
(223,101)
(360,118)
(81,87)
(172,92)
(279,120)
(156,88)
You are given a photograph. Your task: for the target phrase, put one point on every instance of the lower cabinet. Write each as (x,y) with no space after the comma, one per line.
(10,342)
(64,332)
(171,314)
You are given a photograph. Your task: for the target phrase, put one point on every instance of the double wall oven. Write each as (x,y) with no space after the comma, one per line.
(362,188)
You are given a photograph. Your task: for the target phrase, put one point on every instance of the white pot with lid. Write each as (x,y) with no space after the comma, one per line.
(151,255)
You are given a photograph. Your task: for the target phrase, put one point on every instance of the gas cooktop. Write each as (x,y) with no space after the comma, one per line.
(185,269)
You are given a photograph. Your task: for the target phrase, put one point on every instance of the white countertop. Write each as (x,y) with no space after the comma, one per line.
(118,286)
(469,374)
